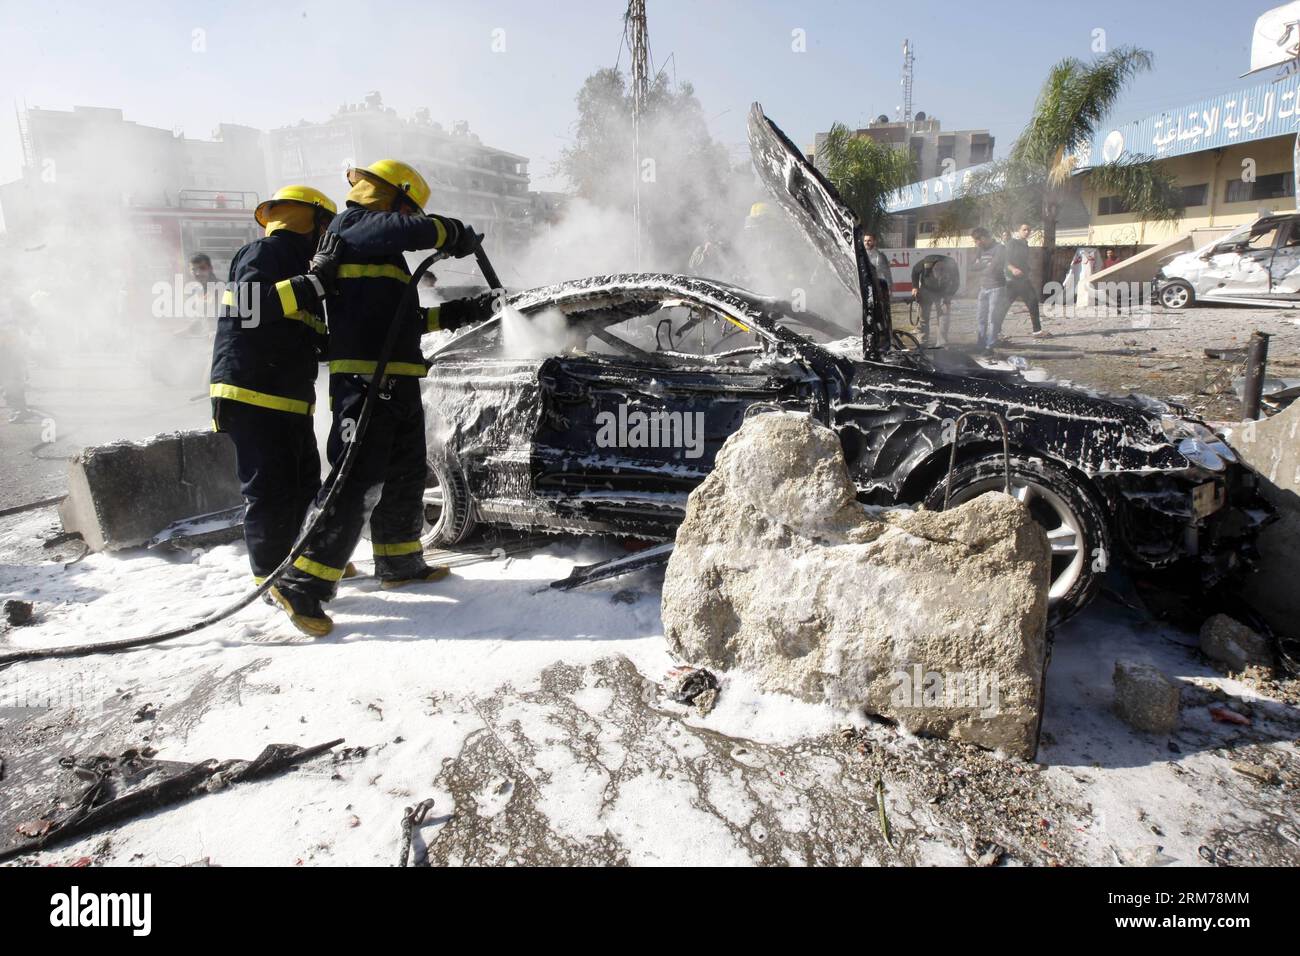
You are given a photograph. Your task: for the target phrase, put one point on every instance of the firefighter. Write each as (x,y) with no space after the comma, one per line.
(270,333)
(384,218)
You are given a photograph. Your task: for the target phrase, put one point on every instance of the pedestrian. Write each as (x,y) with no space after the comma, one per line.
(13,370)
(935,280)
(991,306)
(1020,283)
(883,270)
(384,218)
(265,355)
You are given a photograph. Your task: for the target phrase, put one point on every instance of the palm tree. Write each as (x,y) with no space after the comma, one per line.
(864,172)
(1037,179)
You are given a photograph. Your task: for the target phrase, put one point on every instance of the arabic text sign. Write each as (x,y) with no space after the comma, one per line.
(1259,111)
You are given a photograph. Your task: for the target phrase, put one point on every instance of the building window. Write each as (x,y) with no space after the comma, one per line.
(1198,195)
(1273,186)
(925,228)
(1111,206)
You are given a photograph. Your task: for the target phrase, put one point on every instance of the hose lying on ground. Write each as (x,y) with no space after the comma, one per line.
(334,483)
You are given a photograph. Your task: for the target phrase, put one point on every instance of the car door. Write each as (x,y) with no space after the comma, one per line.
(1242,268)
(1285,269)
(625,435)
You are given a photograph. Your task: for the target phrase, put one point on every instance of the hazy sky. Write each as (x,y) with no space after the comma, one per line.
(271,63)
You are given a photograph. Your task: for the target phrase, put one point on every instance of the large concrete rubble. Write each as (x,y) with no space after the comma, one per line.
(1272,448)
(934,620)
(122,494)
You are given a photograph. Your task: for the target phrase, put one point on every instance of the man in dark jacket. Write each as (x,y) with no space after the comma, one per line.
(935,280)
(383,219)
(1020,284)
(264,359)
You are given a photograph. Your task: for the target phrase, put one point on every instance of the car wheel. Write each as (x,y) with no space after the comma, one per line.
(1075,522)
(1176,294)
(448,508)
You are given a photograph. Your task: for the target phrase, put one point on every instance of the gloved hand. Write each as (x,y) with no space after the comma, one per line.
(460,312)
(325,263)
(462,240)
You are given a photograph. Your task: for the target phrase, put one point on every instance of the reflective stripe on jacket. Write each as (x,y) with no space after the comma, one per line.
(266,348)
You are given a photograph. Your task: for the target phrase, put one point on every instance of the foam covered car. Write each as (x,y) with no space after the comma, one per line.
(596,405)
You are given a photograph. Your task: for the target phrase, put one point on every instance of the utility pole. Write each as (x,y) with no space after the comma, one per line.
(908,60)
(638,42)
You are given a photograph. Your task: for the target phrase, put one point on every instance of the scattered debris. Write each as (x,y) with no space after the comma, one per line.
(17,612)
(692,684)
(991,855)
(115,789)
(880,809)
(201,531)
(30,506)
(61,538)
(412,817)
(1227,640)
(1145,698)
(1226,715)
(1151,854)
(651,557)
(1265,775)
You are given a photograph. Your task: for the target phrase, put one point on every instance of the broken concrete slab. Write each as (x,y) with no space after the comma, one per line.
(1145,698)
(935,620)
(1272,448)
(122,494)
(1227,640)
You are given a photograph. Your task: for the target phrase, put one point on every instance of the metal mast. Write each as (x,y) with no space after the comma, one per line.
(908,60)
(638,42)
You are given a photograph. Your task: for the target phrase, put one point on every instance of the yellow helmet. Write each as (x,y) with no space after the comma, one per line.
(395,173)
(299,194)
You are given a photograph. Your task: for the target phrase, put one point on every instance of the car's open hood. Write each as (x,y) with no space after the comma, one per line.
(817,211)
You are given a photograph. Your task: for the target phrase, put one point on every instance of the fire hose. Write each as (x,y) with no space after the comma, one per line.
(334,483)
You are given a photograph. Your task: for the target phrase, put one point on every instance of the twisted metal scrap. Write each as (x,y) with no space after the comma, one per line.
(412,817)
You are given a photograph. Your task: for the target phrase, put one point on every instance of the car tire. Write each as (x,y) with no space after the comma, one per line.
(448,507)
(1071,514)
(1176,294)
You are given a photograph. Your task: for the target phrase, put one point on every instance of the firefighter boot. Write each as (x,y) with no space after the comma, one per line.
(305,613)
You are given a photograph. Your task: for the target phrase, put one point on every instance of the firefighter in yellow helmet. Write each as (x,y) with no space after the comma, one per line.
(270,332)
(384,218)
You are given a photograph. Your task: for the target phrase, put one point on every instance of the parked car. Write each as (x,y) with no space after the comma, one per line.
(639,379)
(1258,264)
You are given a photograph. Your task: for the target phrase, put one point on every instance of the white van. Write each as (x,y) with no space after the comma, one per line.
(1258,264)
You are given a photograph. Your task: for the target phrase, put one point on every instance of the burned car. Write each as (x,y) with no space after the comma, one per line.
(1257,264)
(597,405)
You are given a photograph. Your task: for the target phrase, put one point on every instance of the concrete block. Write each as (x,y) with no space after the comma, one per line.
(1272,448)
(120,495)
(1145,698)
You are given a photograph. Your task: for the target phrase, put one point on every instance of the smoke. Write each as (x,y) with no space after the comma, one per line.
(114,336)
(701,212)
